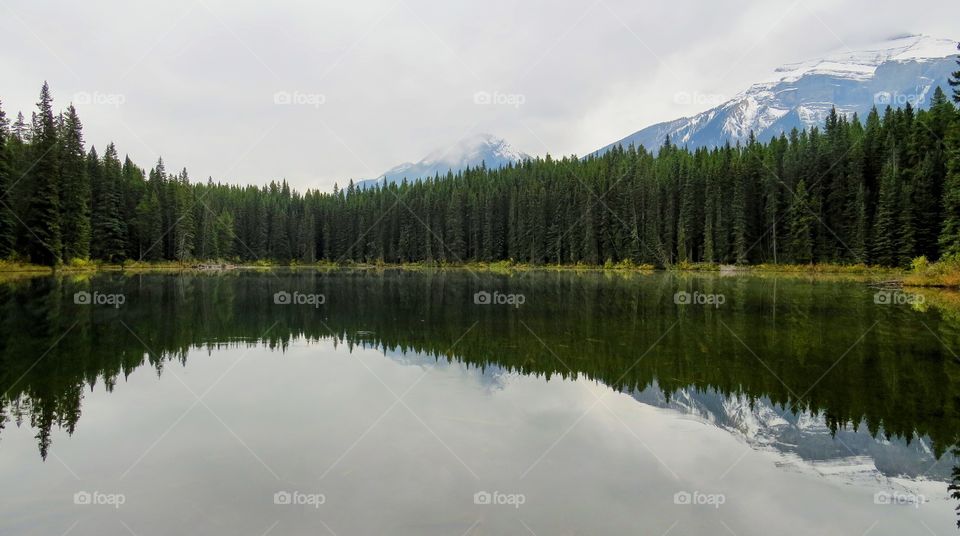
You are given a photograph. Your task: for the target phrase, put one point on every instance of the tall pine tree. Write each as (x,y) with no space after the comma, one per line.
(43,245)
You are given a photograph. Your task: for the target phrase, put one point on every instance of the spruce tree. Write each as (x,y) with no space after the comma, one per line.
(7,222)
(950,235)
(43,245)
(76,190)
(800,225)
(886,230)
(109,228)
(148,222)
(184,223)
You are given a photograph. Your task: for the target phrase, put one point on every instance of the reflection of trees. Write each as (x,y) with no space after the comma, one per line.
(898,379)
(954,487)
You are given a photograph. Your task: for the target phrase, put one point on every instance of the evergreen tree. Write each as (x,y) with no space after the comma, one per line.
(183,229)
(886,231)
(109,228)
(43,217)
(7,231)
(148,222)
(800,223)
(75,206)
(950,235)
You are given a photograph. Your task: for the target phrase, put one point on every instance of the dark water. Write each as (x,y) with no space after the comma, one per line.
(351,402)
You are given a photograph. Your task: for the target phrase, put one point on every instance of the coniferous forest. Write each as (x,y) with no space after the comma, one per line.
(878,190)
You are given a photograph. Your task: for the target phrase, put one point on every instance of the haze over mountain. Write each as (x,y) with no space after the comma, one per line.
(472,151)
(896,71)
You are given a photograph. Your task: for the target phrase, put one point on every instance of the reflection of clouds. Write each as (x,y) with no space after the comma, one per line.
(317,404)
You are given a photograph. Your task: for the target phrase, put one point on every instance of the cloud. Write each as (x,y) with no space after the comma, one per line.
(376,83)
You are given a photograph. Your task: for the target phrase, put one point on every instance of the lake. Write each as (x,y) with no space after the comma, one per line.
(453,402)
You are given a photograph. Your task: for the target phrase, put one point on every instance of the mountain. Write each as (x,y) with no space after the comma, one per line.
(800,95)
(471,151)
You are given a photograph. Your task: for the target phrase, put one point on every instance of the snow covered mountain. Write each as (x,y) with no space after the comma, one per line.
(897,71)
(471,151)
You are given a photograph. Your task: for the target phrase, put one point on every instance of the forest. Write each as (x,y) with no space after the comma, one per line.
(880,190)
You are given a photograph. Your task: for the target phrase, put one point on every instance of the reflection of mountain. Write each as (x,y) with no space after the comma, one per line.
(491,377)
(805,441)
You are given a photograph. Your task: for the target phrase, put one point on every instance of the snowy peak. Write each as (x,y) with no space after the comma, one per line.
(862,64)
(472,151)
(901,70)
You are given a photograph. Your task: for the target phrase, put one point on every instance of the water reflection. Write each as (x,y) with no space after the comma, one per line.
(820,351)
(821,348)
(815,371)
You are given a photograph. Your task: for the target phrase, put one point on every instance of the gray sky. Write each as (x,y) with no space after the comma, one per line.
(375,83)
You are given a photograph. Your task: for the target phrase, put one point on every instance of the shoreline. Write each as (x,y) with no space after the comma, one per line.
(900,276)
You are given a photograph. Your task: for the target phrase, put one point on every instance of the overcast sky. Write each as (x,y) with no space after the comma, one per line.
(375,83)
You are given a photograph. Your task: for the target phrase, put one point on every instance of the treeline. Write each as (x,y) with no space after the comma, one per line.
(882,191)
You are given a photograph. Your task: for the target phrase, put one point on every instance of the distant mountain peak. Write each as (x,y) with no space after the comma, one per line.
(470,151)
(862,63)
(904,68)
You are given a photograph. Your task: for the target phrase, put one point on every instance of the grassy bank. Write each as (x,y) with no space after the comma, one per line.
(943,274)
(823,268)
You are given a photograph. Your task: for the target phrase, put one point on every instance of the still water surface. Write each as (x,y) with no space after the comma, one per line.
(352,402)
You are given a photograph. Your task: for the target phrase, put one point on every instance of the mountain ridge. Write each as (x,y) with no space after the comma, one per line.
(903,69)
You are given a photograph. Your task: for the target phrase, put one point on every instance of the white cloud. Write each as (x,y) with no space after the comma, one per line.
(397,77)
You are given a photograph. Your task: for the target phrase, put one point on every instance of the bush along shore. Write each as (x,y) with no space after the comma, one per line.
(945,273)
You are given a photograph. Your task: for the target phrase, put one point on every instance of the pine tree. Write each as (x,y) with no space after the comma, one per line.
(7,231)
(149,227)
(183,226)
(950,235)
(43,217)
(886,230)
(858,234)
(800,224)
(109,228)
(686,224)
(75,208)
(739,209)
(709,225)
